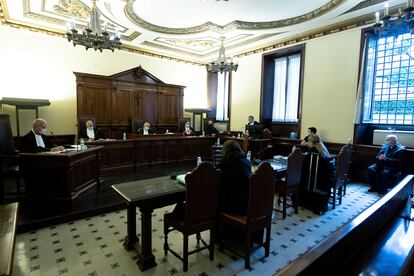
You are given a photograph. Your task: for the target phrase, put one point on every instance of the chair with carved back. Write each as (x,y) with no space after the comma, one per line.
(259,212)
(137,123)
(81,124)
(181,124)
(341,175)
(202,187)
(290,184)
(9,165)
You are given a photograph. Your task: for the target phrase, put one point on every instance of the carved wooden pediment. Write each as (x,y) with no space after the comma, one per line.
(137,74)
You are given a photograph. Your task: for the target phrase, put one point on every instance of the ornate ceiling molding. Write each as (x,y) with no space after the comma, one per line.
(240,25)
(70,8)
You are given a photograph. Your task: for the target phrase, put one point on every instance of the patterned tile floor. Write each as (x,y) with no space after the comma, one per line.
(93,246)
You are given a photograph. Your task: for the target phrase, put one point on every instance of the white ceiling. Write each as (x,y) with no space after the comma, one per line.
(190,29)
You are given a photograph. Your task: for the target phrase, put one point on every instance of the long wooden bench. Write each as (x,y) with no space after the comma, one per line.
(379,241)
(8,223)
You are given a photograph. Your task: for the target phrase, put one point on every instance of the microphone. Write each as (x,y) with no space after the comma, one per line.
(56,139)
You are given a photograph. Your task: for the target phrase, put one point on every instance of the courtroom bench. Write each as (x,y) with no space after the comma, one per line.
(379,241)
(8,222)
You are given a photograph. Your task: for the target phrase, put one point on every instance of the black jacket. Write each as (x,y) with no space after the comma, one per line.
(234,185)
(28,143)
(84,134)
(210,130)
(394,157)
(141,131)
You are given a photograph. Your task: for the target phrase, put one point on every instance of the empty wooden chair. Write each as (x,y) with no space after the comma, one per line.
(290,184)
(341,174)
(9,165)
(259,212)
(202,187)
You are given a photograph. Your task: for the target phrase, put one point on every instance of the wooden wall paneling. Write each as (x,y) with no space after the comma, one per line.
(168,101)
(115,100)
(149,98)
(117,156)
(122,105)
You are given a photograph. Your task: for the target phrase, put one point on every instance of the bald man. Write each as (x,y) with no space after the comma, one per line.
(36,140)
(382,174)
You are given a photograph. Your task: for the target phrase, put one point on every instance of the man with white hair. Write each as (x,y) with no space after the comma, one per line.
(36,140)
(382,174)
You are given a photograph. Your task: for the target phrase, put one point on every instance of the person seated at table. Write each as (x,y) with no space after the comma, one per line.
(36,140)
(146,129)
(90,132)
(210,129)
(304,142)
(234,183)
(385,172)
(188,131)
(325,167)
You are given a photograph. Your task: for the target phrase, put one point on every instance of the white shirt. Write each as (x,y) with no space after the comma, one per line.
(90,133)
(145,131)
(39,140)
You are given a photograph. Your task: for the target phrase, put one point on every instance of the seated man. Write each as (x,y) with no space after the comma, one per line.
(210,129)
(304,142)
(36,140)
(382,174)
(90,132)
(188,131)
(146,129)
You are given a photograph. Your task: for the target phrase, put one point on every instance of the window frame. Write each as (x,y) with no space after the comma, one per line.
(279,129)
(364,131)
(212,81)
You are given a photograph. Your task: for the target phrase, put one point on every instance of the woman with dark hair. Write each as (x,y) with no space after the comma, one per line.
(234,184)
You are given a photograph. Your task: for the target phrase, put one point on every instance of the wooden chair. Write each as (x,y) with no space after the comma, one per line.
(259,212)
(9,162)
(245,145)
(290,184)
(181,124)
(341,175)
(202,187)
(82,119)
(137,123)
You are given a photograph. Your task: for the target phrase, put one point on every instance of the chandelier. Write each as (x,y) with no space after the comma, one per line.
(222,64)
(402,23)
(93,36)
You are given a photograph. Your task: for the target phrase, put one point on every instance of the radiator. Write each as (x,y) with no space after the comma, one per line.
(405,138)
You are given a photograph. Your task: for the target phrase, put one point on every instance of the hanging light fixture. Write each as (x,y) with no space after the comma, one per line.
(399,24)
(93,36)
(222,64)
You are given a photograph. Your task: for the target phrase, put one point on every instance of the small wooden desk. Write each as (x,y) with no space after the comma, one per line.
(60,176)
(148,195)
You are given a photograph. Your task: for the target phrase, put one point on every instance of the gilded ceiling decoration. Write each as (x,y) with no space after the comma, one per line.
(196,44)
(243,25)
(73,8)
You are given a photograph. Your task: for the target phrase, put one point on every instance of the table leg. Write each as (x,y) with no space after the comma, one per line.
(146,259)
(131,239)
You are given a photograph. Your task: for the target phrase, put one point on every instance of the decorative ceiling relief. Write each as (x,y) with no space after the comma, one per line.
(189,30)
(72,8)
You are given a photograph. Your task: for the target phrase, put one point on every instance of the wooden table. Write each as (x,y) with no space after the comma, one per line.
(148,195)
(60,176)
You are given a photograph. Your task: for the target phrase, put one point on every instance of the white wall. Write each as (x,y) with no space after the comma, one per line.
(329,88)
(40,66)
(36,65)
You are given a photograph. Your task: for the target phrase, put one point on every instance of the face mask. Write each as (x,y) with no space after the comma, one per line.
(43,131)
(146,128)
(90,128)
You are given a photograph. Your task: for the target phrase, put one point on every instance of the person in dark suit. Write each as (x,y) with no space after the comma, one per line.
(36,140)
(90,132)
(383,174)
(234,183)
(210,129)
(146,129)
(251,121)
(304,142)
